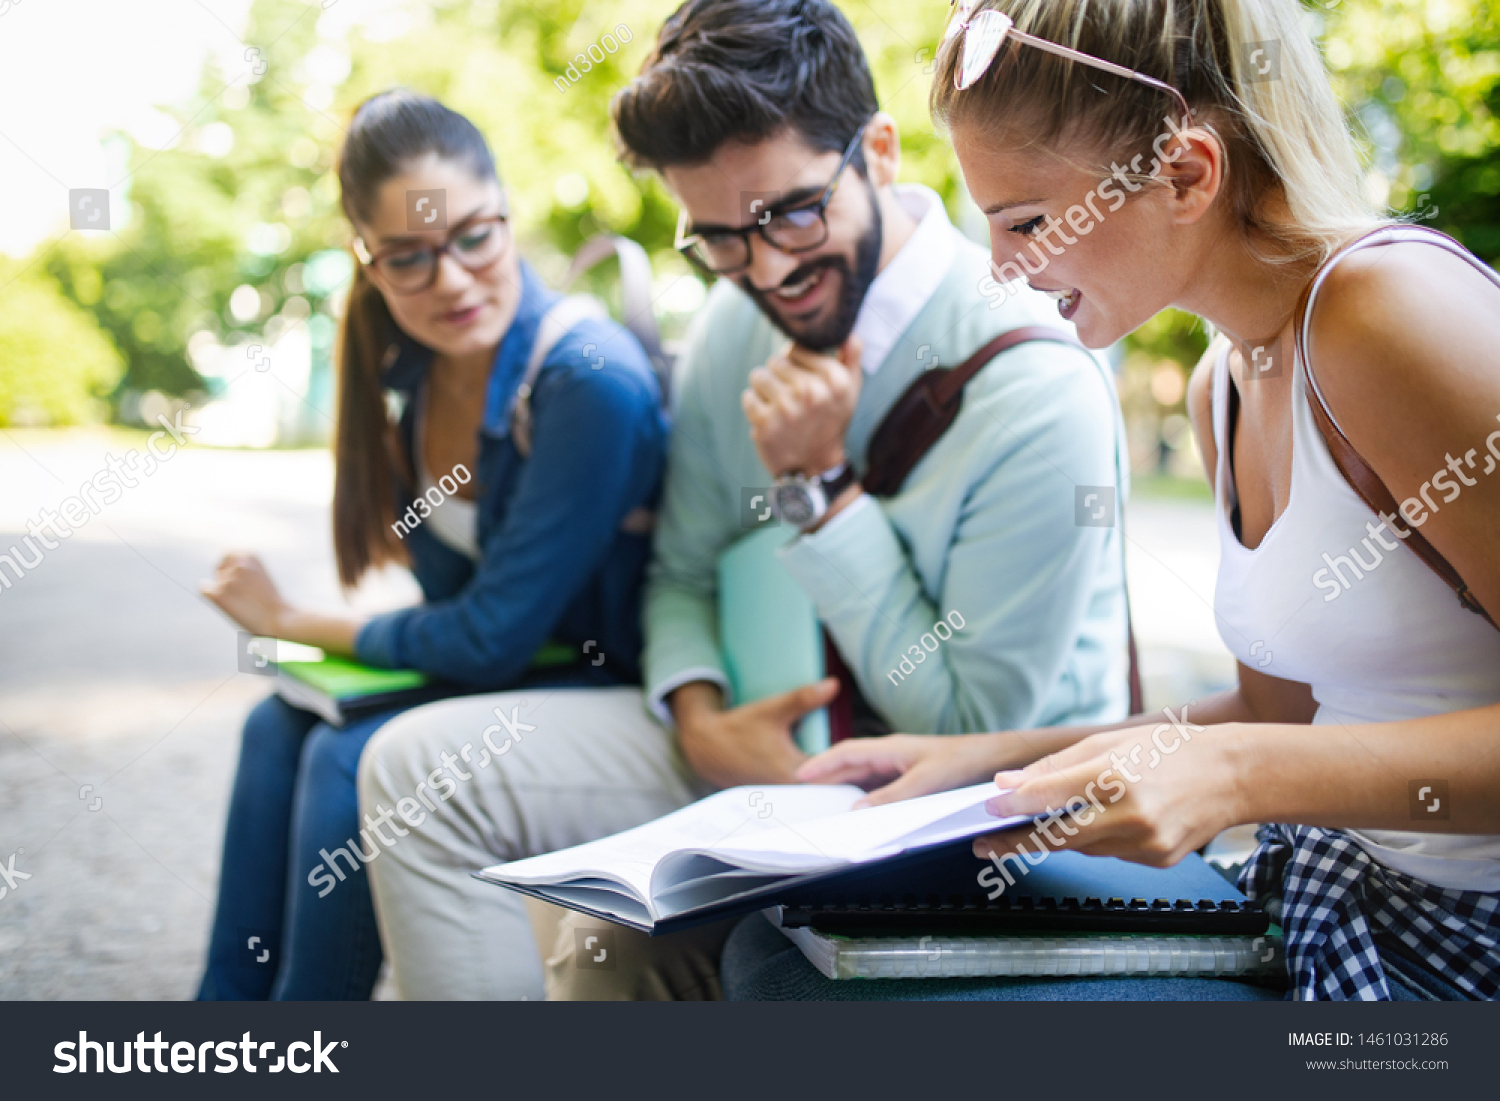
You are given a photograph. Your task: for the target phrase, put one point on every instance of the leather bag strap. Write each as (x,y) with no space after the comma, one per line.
(1358,473)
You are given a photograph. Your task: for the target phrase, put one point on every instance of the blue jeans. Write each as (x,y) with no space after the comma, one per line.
(293,803)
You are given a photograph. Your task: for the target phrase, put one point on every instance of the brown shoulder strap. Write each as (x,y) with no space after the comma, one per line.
(925,411)
(1358,473)
(929,406)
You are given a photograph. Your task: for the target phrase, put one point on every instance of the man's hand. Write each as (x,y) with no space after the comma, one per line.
(799,405)
(749,744)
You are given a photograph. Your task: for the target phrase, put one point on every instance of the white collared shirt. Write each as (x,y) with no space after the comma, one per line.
(905,285)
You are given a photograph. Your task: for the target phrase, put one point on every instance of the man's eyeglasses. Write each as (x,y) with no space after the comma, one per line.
(798,229)
(406,268)
(986,32)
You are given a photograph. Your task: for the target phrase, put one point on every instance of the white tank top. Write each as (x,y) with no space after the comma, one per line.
(1390,641)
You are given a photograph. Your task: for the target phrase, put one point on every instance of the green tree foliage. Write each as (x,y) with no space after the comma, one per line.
(241,199)
(247,196)
(55,363)
(1424,78)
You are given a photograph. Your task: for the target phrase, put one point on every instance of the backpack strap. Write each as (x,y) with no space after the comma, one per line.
(559,320)
(636,296)
(1356,471)
(926,410)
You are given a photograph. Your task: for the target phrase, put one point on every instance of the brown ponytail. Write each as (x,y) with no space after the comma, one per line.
(364,443)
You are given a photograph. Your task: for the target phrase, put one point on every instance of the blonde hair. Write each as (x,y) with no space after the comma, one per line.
(1282,128)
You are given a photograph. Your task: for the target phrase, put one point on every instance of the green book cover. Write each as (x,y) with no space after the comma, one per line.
(768,628)
(343,679)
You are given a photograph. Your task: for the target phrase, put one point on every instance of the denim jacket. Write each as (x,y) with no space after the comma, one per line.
(555,564)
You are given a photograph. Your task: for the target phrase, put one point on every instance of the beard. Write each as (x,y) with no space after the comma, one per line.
(854,282)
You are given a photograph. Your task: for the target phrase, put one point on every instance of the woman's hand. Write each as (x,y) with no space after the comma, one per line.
(907,765)
(244,590)
(1147,794)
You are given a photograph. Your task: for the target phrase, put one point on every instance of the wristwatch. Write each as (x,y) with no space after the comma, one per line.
(799,500)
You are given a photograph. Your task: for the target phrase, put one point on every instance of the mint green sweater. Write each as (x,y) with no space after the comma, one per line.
(984,526)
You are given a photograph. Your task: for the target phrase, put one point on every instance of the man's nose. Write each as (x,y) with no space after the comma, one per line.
(769,266)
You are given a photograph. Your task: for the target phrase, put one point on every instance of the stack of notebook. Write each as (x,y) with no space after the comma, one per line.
(932,915)
(893,891)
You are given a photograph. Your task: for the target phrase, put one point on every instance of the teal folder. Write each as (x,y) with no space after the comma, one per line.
(769,633)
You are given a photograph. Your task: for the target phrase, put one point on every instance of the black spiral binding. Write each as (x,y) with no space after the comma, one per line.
(977,914)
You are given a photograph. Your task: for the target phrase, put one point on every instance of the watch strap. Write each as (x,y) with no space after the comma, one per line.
(839,479)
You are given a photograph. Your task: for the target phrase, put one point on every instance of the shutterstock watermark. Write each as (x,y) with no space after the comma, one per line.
(1094,506)
(1082,218)
(1429,800)
(755,506)
(447,486)
(939,633)
(10,875)
(108,485)
(1112,781)
(595,948)
(1331,576)
(584,61)
(443,780)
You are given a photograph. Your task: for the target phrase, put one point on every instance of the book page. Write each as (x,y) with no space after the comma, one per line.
(629,858)
(867,834)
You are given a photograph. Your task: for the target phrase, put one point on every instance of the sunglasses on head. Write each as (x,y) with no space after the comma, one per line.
(985,32)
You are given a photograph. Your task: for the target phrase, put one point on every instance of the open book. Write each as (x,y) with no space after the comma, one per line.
(732,852)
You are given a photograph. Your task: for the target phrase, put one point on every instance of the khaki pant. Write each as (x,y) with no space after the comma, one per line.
(595,763)
(622,965)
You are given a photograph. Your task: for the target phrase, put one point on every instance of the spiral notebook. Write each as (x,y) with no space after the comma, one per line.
(947,890)
(931,915)
(1041,956)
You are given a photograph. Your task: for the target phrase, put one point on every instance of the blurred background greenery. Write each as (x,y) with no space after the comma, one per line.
(222,278)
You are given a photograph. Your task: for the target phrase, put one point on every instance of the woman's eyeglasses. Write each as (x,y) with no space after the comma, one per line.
(987,31)
(798,229)
(474,245)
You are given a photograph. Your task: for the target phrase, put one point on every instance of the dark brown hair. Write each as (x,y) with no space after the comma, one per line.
(388,132)
(745,70)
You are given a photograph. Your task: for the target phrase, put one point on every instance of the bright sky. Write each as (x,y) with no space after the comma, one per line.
(70,70)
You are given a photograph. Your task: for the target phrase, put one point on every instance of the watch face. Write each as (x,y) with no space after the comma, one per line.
(794,504)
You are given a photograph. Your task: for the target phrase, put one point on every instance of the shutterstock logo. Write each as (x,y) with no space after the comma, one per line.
(1268,359)
(755,506)
(595,949)
(1429,800)
(427,209)
(756,206)
(88,207)
(185,1057)
(1094,506)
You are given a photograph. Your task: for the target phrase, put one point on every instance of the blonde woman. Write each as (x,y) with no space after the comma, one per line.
(1366,721)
